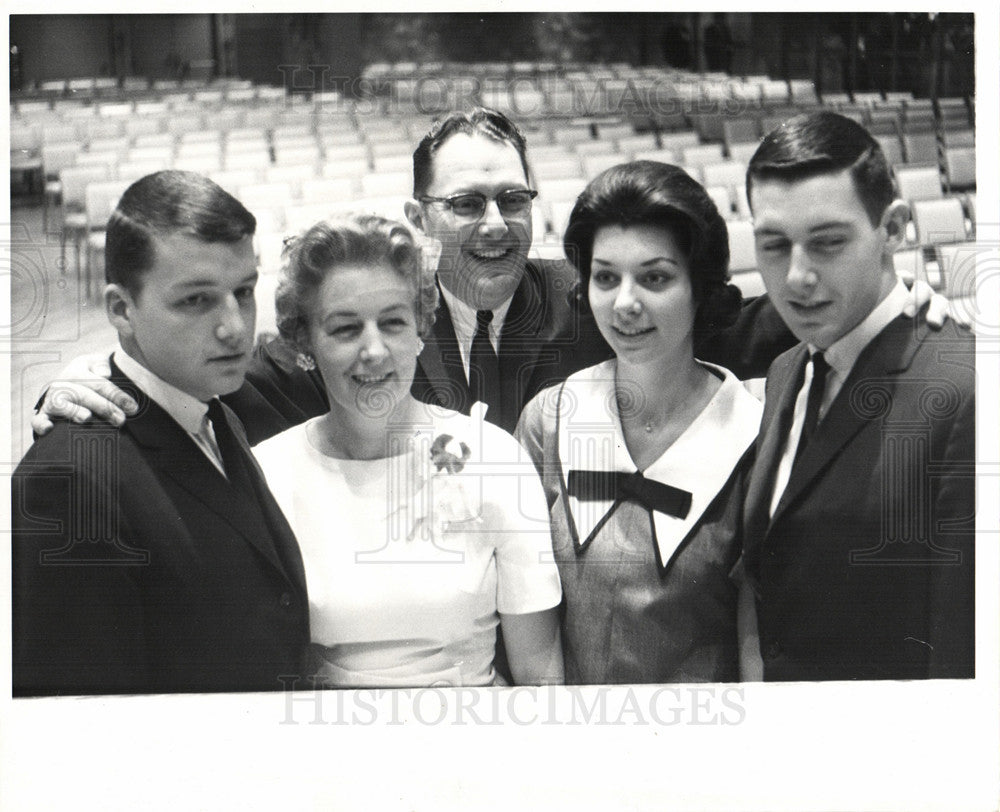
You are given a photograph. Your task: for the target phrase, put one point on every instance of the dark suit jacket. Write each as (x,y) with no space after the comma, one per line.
(546,337)
(866,570)
(137,567)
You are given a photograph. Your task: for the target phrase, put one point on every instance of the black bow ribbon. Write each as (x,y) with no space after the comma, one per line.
(618,486)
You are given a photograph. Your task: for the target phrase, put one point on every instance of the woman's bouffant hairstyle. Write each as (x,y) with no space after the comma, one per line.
(359,239)
(662,195)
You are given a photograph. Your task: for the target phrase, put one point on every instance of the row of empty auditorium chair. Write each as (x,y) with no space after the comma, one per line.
(295,160)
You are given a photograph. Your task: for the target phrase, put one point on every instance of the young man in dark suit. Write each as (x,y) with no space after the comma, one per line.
(153,558)
(859,519)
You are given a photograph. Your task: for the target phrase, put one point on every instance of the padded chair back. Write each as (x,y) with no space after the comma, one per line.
(918,182)
(939,221)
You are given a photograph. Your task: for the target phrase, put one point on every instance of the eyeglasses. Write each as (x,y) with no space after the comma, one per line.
(511,202)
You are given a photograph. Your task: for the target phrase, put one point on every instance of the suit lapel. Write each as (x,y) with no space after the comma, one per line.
(286,545)
(174,454)
(775,425)
(520,344)
(441,364)
(877,367)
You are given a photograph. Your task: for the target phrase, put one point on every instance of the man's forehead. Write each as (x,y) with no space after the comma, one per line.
(827,197)
(179,257)
(475,157)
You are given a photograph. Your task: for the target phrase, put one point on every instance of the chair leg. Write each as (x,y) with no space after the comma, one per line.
(86,271)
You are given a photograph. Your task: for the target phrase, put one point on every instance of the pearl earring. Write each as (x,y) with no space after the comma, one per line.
(420,346)
(305,362)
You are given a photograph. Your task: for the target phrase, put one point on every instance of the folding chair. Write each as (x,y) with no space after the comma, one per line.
(918,182)
(345,168)
(663,156)
(891,148)
(958,269)
(379,184)
(679,141)
(632,144)
(722,199)
(74,180)
(921,147)
(295,156)
(394,163)
(292,174)
(742,251)
(939,221)
(960,168)
(267,201)
(328,191)
(568,167)
(130,171)
(251,159)
(958,138)
(101,197)
(341,152)
(233,179)
(202,164)
(743,152)
(742,130)
(55,158)
(594,165)
(701,155)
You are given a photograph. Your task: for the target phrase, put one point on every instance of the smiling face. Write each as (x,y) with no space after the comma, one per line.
(363,334)
(482,259)
(192,321)
(824,264)
(640,293)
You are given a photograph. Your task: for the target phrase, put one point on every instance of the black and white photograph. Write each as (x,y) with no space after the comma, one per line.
(491,407)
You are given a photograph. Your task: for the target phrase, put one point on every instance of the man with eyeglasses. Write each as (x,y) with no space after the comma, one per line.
(507,325)
(503,329)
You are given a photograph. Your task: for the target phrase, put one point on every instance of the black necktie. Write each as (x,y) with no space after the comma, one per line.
(618,486)
(813,402)
(484,367)
(229,447)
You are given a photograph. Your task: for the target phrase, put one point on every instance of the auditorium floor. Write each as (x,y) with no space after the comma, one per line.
(50,320)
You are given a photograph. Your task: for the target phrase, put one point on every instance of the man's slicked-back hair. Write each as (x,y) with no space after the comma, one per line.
(165,203)
(477,121)
(821,143)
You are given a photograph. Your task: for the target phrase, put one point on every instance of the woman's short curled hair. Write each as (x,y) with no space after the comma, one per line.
(662,195)
(357,239)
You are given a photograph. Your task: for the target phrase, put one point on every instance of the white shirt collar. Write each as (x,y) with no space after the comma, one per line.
(843,353)
(463,318)
(188,411)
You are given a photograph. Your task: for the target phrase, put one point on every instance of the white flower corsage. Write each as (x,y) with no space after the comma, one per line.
(443,492)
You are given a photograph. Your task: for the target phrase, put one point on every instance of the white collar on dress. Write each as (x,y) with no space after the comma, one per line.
(700,461)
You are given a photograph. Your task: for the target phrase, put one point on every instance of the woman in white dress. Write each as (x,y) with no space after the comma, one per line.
(419,528)
(643,457)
